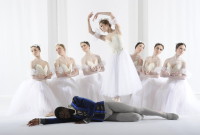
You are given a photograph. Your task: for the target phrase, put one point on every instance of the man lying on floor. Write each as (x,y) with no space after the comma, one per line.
(83,110)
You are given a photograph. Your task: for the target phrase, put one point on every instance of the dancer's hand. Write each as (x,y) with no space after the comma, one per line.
(165,74)
(98,68)
(33,122)
(175,74)
(178,76)
(147,72)
(41,77)
(96,16)
(72,73)
(90,15)
(94,69)
(67,74)
(49,76)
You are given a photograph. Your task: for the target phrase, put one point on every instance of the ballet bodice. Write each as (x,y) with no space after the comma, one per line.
(92,64)
(39,70)
(151,65)
(174,66)
(115,43)
(63,68)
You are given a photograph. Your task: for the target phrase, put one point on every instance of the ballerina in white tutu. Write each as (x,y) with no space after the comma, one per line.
(176,95)
(151,81)
(136,58)
(121,77)
(92,67)
(64,85)
(34,97)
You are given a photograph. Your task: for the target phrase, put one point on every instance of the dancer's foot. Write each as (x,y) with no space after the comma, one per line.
(142,116)
(171,116)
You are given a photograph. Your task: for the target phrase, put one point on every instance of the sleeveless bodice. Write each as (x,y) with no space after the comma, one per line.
(64,68)
(115,43)
(174,66)
(39,70)
(150,67)
(92,64)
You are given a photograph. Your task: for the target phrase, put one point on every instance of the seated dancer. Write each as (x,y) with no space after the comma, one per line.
(34,97)
(83,110)
(137,59)
(64,85)
(92,67)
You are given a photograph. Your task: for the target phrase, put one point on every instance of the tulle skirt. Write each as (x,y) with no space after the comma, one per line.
(64,89)
(120,77)
(90,87)
(176,96)
(146,96)
(33,98)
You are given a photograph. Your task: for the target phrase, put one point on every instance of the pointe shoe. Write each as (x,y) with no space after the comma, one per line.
(171,116)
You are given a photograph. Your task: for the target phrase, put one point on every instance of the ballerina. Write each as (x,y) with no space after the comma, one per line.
(136,58)
(34,97)
(92,67)
(120,78)
(64,85)
(176,95)
(151,81)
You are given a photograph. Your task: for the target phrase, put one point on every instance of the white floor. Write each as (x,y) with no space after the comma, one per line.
(186,125)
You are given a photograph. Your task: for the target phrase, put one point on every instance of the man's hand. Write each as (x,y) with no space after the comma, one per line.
(33,122)
(80,122)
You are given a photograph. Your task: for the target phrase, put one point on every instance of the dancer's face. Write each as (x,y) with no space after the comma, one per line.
(35,51)
(64,114)
(158,49)
(180,50)
(104,27)
(60,50)
(139,48)
(85,47)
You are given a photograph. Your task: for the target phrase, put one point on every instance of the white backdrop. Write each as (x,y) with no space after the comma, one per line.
(173,21)
(77,24)
(23,23)
(47,22)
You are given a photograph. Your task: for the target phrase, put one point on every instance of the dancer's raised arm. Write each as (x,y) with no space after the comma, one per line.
(113,22)
(104,13)
(97,35)
(89,25)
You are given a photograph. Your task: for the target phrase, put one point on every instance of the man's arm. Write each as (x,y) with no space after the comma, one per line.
(44,121)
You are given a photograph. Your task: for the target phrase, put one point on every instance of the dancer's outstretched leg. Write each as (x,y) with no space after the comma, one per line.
(124,117)
(116,107)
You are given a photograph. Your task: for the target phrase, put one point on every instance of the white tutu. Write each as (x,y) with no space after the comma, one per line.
(176,97)
(90,86)
(146,96)
(33,98)
(120,77)
(64,89)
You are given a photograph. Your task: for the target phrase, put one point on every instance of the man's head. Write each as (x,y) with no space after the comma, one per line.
(62,113)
